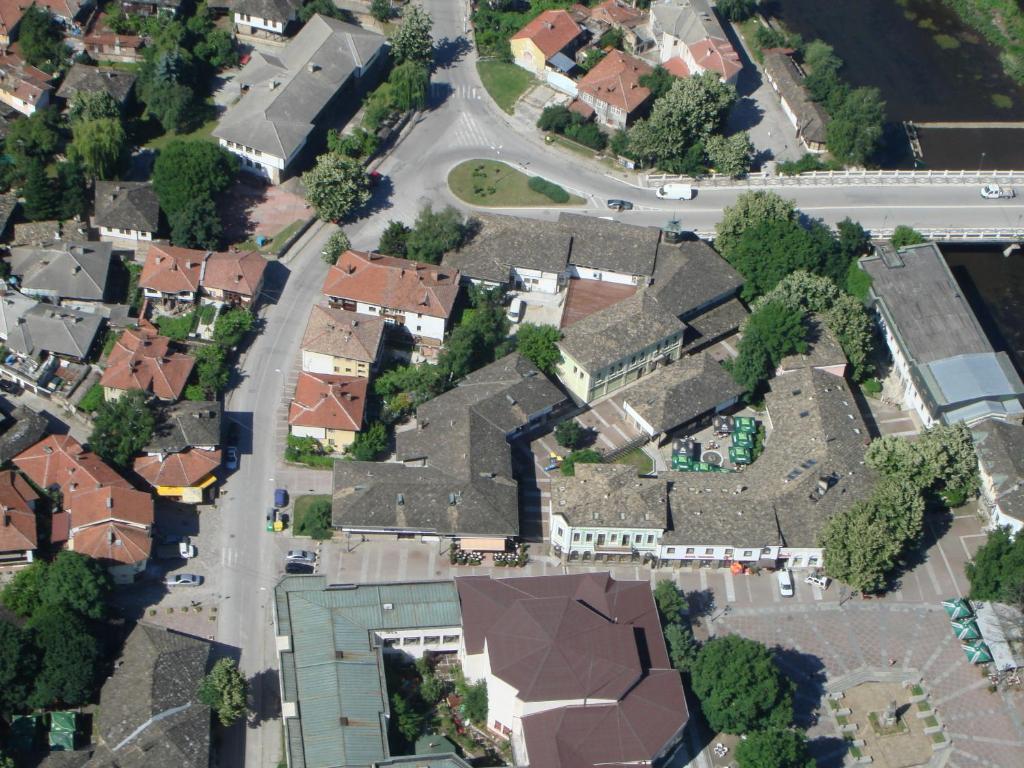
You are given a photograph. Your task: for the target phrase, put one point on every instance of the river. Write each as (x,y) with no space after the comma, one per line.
(929,67)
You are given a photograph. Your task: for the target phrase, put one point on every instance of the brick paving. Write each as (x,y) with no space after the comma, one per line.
(251,208)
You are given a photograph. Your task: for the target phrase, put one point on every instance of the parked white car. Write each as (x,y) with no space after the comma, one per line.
(785,582)
(676,192)
(994,192)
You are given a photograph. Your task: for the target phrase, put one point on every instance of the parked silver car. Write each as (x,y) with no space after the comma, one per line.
(183,580)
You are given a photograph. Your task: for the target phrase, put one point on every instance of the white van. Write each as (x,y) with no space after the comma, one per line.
(676,192)
(785,582)
(515,309)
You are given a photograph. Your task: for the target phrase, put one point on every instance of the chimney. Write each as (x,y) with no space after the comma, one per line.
(6,517)
(312,66)
(110,502)
(273,84)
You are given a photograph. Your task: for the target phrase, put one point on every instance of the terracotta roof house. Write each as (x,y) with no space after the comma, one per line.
(171,274)
(112,524)
(328,408)
(576,666)
(60,462)
(125,49)
(64,270)
(11,12)
(150,715)
(22,86)
(622,15)
(613,89)
(690,30)
(85,78)
(552,37)
(413,297)
(141,359)
(183,475)
(341,342)
(126,210)
(233,278)
(18,537)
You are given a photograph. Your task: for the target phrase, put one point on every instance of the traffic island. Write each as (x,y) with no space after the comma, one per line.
(494,184)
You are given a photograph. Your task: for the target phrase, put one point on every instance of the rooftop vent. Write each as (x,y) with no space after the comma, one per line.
(388,606)
(343,721)
(339,655)
(400,499)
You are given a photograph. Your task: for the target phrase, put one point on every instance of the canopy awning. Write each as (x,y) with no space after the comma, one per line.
(957,608)
(977,653)
(483,545)
(966,630)
(561,62)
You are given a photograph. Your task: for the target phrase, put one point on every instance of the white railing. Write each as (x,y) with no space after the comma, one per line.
(949,234)
(836,178)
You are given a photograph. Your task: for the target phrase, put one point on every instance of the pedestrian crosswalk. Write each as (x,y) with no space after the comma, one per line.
(466,131)
(439,91)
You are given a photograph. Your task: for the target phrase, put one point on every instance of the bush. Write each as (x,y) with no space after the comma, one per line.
(549,189)
(176,328)
(313,519)
(306,450)
(92,400)
(805,164)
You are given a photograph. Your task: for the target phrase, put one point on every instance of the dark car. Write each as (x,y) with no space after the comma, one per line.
(620,205)
(10,387)
(298,568)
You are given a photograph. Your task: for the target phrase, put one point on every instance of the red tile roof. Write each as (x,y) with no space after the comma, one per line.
(328,401)
(172,270)
(551,31)
(676,66)
(141,359)
(22,79)
(616,81)
(581,108)
(618,13)
(240,273)
(717,56)
(111,40)
(113,543)
(60,461)
(184,469)
(11,12)
(386,281)
(17,519)
(99,505)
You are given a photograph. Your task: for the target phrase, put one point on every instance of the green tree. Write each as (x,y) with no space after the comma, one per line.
(859,549)
(217,49)
(407,386)
(230,328)
(23,594)
(315,520)
(774,748)
(731,156)
(74,190)
(476,341)
(37,136)
(224,691)
(42,199)
(381,10)
(903,236)
(474,699)
(822,65)
(18,663)
(172,104)
(658,81)
(211,369)
(69,658)
(854,242)
(683,647)
(941,457)
(855,130)
(749,210)
(996,572)
(336,245)
(323,7)
(100,145)
(435,233)
(394,238)
(412,41)
(569,434)
(431,687)
(585,456)
(740,688)
(409,722)
(93,105)
(772,332)
(369,443)
(336,186)
(539,345)
(410,82)
(672,605)
(41,40)
(187,169)
(196,224)
(121,428)
(75,582)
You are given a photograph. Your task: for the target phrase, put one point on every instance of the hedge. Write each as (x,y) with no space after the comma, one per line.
(549,189)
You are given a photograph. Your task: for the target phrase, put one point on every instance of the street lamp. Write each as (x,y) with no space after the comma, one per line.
(981,161)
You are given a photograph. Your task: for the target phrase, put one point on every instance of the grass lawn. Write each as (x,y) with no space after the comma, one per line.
(638,459)
(495,184)
(302,524)
(504,82)
(204,131)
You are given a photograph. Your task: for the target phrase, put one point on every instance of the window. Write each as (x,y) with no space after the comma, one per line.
(689,550)
(418,328)
(615,537)
(575,369)
(728,553)
(590,537)
(431,639)
(576,536)
(410,641)
(748,553)
(709,551)
(449,639)
(670,550)
(812,560)
(559,530)
(650,538)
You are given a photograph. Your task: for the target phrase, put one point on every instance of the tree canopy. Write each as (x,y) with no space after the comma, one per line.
(774,748)
(997,570)
(76,583)
(369,443)
(230,328)
(69,658)
(41,39)
(23,594)
(121,428)
(393,239)
(569,433)
(187,169)
(18,665)
(854,133)
(736,10)
(902,236)
(197,224)
(224,690)
(941,457)
(769,334)
(584,456)
(730,155)
(100,144)
(336,186)
(412,40)
(539,345)
(740,688)
(434,233)
(93,105)
(336,245)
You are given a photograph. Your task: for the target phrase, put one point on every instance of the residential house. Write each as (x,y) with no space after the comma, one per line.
(808,117)
(552,38)
(621,15)
(124,49)
(11,12)
(151,7)
(690,30)
(947,368)
(576,667)
(69,12)
(607,512)
(149,712)
(112,524)
(286,97)
(22,86)
(13,306)
(84,78)
(612,89)
(341,342)
(143,360)
(60,463)
(45,333)
(1000,449)
(331,645)
(233,277)
(19,431)
(126,210)
(183,454)
(457,479)
(18,535)
(171,274)
(64,270)
(617,345)
(328,408)
(415,299)
(255,16)
(681,398)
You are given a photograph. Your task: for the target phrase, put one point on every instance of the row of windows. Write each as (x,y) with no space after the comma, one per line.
(627,538)
(641,357)
(243,148)
(390,642)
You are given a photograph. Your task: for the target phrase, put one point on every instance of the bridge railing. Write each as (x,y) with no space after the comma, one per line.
(953,234)
(834,178)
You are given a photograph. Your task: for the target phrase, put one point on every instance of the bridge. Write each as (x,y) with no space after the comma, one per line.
(862,178)
(942,234)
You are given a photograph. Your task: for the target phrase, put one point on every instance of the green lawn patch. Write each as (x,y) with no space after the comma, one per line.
(939,737)
(92,399)
(855,752)
(923,706)
(493,183)
(930,722)
(915,690)
(176,328)
(312,516)
(885,730)
(637,458)
(504,82)
(842,720)
(204,131)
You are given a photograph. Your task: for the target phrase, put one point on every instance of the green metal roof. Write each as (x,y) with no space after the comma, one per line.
(420,761)
(334,671)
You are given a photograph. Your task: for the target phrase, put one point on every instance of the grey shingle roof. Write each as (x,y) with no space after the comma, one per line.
(690,275)
(611,495)
(812,120)
(84,78)
(149,713)
(502,242)
(27,429)
(127,205)
(611,245)
(57,330)
(287,92)
(631,324)
(823,348)
(681,392)
(13,306)
(186,424)
(64,269)
(8,201)
(276,10)
(688,20)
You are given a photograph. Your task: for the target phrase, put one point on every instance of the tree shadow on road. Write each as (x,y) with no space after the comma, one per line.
(744,115)
(808,673)
(448,52)
(380,200)
(937,523)
(264,698)
(828,751)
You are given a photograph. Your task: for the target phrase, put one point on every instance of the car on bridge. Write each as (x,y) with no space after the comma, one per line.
(995,192)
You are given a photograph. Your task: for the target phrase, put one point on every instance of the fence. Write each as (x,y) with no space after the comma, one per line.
(949,234)
(844,178)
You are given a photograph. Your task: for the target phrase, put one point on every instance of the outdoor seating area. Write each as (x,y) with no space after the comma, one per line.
(726,446)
